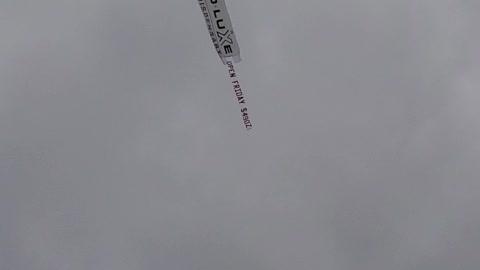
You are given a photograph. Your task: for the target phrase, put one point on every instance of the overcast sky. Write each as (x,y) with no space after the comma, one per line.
(122,145)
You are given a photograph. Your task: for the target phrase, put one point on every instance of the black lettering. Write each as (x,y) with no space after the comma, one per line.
(228,49)
(220,26)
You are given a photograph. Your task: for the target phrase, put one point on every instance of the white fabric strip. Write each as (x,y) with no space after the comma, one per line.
(220,29)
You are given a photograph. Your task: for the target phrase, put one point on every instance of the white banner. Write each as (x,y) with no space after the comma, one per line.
(220,29)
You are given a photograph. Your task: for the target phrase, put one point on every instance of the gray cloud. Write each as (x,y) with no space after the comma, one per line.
(121,145)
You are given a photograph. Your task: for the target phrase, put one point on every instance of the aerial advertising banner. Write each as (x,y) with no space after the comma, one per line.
(223,38)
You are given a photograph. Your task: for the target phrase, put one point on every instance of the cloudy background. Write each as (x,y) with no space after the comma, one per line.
(122,146)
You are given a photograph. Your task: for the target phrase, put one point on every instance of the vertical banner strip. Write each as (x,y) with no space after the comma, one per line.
(239,94)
